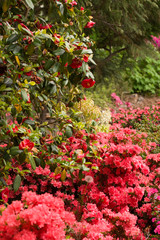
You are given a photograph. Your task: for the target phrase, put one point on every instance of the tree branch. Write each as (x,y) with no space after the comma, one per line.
(113,54)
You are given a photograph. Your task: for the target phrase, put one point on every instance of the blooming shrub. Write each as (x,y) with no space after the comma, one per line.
(35,217)
(106,186)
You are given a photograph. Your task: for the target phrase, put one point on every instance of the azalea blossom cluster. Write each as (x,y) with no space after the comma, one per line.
(156,41)
(114,159)
(110,193)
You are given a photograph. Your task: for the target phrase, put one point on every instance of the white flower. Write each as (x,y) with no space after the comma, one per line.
(89,179)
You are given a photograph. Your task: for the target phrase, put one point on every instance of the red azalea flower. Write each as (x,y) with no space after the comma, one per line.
(76,63)
(87,83)
(5,194)
(82,9)
(90,24)
(26,144)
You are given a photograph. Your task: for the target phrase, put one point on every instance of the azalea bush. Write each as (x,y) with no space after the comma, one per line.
(103,180)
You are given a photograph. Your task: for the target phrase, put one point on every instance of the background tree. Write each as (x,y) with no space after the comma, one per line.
(121,32)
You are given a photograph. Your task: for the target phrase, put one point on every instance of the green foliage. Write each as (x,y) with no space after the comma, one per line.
(93,115)
(121,30)
(38,43)
(145,76)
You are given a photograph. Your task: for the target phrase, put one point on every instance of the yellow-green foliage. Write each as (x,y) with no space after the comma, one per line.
(91,112)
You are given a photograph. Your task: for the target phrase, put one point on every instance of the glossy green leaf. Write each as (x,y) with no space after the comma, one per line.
(14,37)
(30,3)
(17,183)
(24,95)
(15,151)
(59,52)
(32,162)
(68,132)
(48,64)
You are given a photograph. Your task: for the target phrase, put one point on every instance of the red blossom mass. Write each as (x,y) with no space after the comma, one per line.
(87,83)
(76,63)
(26,144)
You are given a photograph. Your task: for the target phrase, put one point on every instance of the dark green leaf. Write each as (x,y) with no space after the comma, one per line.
(53,89)
(55,67)
(3,181)
(32,162)
(40,98)
(16,49)
(68,132)
(15,150)
(14,37)
(13,111)
(54,149)
(42,163)
(29,122)
(59,51)
(30,49)
(24,95)
(38,161)
(22,157)
(17,183)
(48,64)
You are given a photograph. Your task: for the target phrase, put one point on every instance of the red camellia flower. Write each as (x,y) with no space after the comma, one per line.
(40,26)
(76,63)
(73,3)
(90,24)
(87,83)
(85,58)
(26,144)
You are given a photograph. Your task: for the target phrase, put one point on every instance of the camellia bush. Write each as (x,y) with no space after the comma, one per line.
(43,63)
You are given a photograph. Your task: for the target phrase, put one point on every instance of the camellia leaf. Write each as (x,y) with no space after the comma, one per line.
(61,9)
(27,69)
(3,181)
(17,60)
(32,83)
(5,5)
(30,4)
(63,175)
(57,170)
(15,150)
(54,149)
(59,51)
(24,95)
(32,162)
(14,37)
(48,64)
(68,132)
(17,183)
